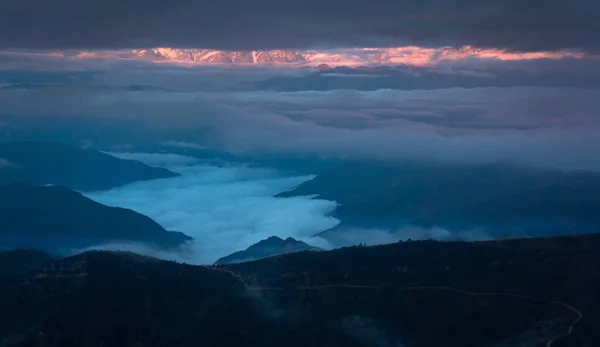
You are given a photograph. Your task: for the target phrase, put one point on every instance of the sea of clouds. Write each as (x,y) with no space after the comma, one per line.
(224,208)
(231,207)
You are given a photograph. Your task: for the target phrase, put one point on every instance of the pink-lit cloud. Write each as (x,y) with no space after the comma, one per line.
(409,55)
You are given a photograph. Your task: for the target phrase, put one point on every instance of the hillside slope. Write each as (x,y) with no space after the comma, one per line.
(55,218)
(503,200)
(269,247)
(42,163)
(529,292)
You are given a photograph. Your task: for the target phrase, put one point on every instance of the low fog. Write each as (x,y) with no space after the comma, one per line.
(225,209)
(229,208)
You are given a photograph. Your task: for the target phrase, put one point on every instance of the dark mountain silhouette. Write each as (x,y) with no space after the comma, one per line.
(42,163)
(527,292)
(20,262)
(421,78)
(52,218)
(269,247)
(504,200)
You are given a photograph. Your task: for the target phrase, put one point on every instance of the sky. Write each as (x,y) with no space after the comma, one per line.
(269,24)
(445,80)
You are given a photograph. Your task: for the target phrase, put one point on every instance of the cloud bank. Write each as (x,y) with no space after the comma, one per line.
(554,127)
(542,113)
(225,209)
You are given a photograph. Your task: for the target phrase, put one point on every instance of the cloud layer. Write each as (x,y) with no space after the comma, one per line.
(267,24)
(225,209)
(538,126)
(538,113)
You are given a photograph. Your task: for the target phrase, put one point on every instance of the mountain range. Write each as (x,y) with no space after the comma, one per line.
(501,200)
(306,58)
(361,56)
(526,292)
(53,163)
(222,57)
(57,219)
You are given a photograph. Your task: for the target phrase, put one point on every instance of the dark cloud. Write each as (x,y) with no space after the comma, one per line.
(575,73)
(268,24)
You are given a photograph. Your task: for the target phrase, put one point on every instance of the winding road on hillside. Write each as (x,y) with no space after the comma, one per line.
(550,343)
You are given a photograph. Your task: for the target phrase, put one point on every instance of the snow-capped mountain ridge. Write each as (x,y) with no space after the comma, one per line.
(199,56)
(416,56)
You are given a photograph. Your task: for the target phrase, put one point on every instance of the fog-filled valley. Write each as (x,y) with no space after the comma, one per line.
(224,208)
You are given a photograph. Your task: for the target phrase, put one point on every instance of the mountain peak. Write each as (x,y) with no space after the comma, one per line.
(268,247)
(207,56)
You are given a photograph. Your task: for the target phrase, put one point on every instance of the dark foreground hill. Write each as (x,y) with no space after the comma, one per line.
(502,200)
(21,262)
(42,163)
(269,247)
(54,218)
(529,292)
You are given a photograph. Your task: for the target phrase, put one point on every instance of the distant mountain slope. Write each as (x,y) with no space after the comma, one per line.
(504,199)
(42,163)
(267,248)
(52,218)
(529,292)
(418,78)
